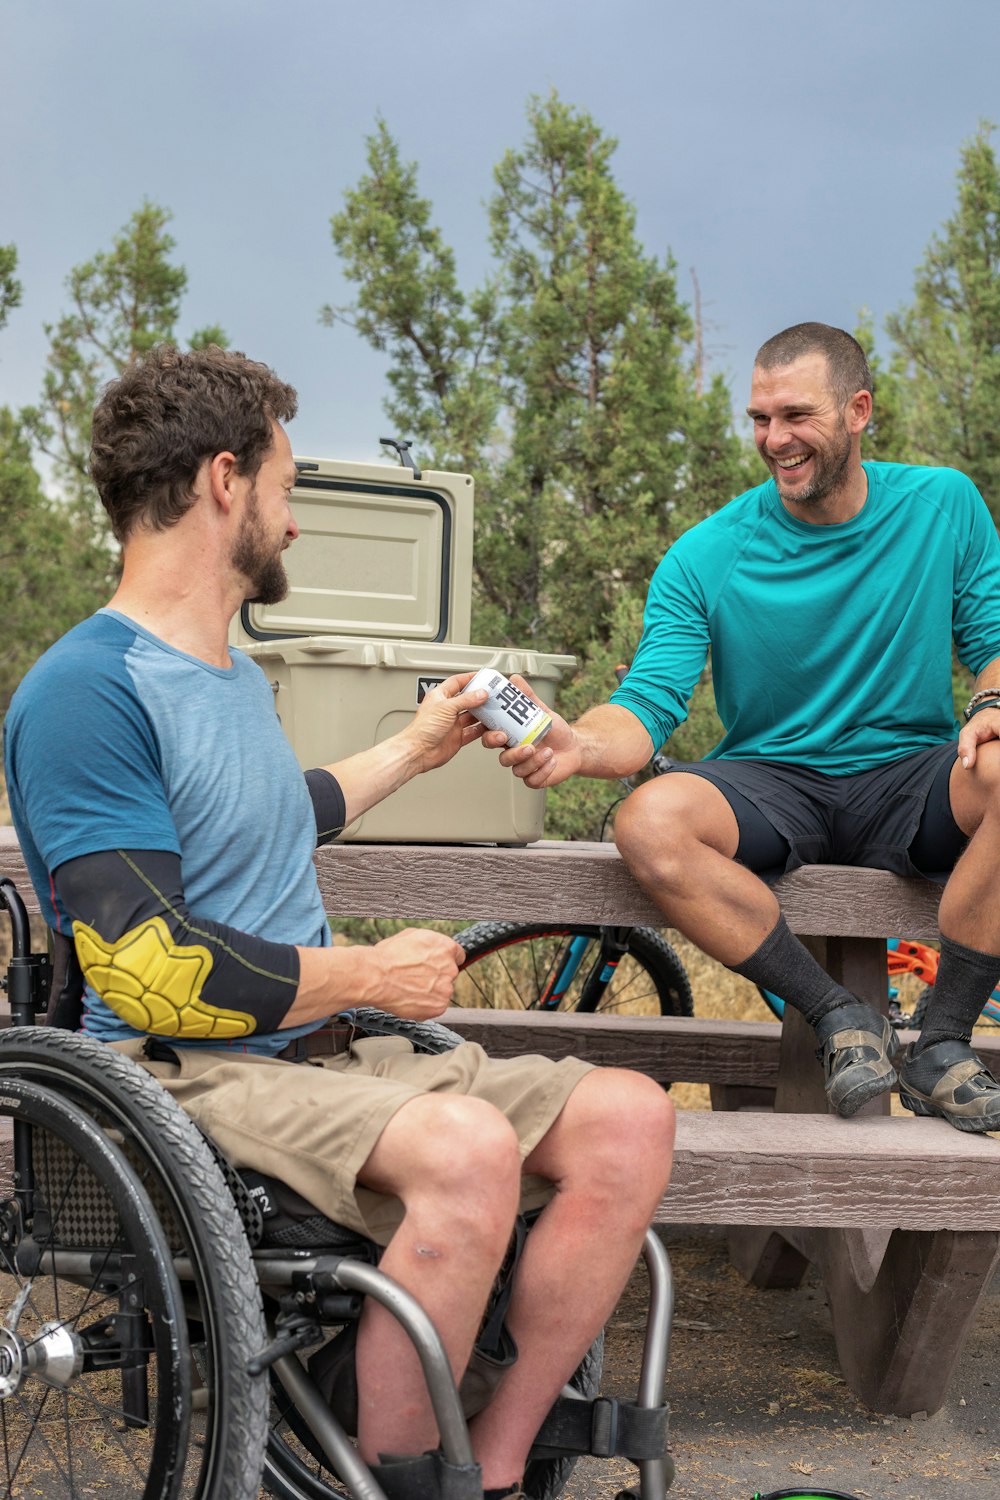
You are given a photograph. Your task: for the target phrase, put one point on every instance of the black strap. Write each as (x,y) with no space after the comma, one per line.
(605,1429)
(491,1335)
(65,1007)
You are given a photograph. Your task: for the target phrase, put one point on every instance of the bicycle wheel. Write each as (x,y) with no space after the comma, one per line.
(95,1375)
(522,966)
(222,1300)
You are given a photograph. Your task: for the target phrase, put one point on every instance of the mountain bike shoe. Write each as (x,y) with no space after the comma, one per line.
(856,1048)
(947,1079)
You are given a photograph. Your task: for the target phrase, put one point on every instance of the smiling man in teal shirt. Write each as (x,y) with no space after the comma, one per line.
(830,598)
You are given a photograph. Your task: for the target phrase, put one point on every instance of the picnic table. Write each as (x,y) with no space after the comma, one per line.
(901,1216)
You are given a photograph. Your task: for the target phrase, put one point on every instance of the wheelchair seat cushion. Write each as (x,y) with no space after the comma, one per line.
(288,1221)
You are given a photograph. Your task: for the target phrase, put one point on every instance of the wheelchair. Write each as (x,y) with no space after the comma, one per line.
(164,1320)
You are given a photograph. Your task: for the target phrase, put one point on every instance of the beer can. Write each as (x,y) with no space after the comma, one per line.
(507,708)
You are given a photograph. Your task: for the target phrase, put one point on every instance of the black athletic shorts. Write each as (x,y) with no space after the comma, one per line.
(896,817)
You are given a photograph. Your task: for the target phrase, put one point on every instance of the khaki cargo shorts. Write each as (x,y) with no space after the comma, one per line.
(314,1124)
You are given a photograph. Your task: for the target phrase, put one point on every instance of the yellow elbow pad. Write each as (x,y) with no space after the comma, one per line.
(154,984)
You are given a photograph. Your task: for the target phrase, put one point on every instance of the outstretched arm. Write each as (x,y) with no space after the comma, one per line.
(607,741)
(440,728)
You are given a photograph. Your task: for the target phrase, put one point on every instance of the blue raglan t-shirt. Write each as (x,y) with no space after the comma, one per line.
(117,740)
(831,645)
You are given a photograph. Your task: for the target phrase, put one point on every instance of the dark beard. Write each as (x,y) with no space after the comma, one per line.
(270,583)
(264,569)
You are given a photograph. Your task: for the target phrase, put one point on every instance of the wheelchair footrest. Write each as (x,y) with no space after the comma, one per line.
(604,1428)
(428,1477)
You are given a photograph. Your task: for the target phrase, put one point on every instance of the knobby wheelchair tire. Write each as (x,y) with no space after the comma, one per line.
(95,1367)
(511,965)
(179,1173)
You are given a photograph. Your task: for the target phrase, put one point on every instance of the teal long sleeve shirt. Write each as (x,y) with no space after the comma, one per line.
(831,645)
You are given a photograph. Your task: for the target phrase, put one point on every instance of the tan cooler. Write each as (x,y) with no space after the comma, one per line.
(378,610)
(335,696)
(379,553)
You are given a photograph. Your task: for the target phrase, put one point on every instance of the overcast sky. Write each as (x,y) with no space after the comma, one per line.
(797,153)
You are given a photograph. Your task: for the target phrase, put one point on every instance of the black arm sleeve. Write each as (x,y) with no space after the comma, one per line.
(162,968)
(328,804)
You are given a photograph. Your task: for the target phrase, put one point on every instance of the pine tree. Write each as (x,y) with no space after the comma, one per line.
(124,301)
(564,385)
(948,339)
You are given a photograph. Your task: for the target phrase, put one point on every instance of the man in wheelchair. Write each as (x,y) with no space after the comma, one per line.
(168,832)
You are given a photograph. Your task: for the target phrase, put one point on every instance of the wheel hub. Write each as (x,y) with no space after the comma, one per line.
(54,1356)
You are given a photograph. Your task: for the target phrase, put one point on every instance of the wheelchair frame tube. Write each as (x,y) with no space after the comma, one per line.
(355,1276)
(327,1430)
(655,1473)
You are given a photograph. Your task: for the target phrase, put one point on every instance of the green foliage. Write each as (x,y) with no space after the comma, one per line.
(10,287)
(124,301)
(58,559)
(948,340)
(409,305)
(52,569)
(886,439)
(564,385)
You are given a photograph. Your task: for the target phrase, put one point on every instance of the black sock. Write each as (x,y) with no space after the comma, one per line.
(965,981)
(508,1489)
(785,966)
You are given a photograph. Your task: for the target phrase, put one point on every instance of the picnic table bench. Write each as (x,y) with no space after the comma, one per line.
(901,1216)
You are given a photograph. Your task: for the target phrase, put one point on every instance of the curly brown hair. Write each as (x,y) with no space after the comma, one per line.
(167,412)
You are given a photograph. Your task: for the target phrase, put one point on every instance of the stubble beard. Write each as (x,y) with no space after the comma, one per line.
(830,469)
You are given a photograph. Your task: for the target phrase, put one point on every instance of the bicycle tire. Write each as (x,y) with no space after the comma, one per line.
(650,980)
(197,1212)
(96,1367)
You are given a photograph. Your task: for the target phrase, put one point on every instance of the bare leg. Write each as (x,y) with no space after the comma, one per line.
(455,1164)
(679,835)
(969,910)
(609,1155)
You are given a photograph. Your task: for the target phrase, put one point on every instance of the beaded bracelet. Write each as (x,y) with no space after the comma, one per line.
(973,707)
(990,692)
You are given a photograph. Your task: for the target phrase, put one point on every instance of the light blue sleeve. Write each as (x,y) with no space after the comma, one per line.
(674,646)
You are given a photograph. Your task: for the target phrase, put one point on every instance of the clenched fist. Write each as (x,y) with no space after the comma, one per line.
(415,973)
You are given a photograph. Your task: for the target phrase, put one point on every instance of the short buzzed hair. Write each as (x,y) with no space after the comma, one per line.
(165,414)
(845,358)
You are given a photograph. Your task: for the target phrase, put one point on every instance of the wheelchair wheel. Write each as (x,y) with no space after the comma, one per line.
(516,965)
(95,1375)
(222,1301)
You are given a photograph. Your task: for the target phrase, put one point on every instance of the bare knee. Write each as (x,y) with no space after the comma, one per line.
(661,825)
(975,795)
(614,1143)
(468,1181)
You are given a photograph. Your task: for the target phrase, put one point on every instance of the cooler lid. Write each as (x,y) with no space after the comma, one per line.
(380,553)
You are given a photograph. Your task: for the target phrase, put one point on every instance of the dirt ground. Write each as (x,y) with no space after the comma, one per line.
(758,1402)
(755,1390)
